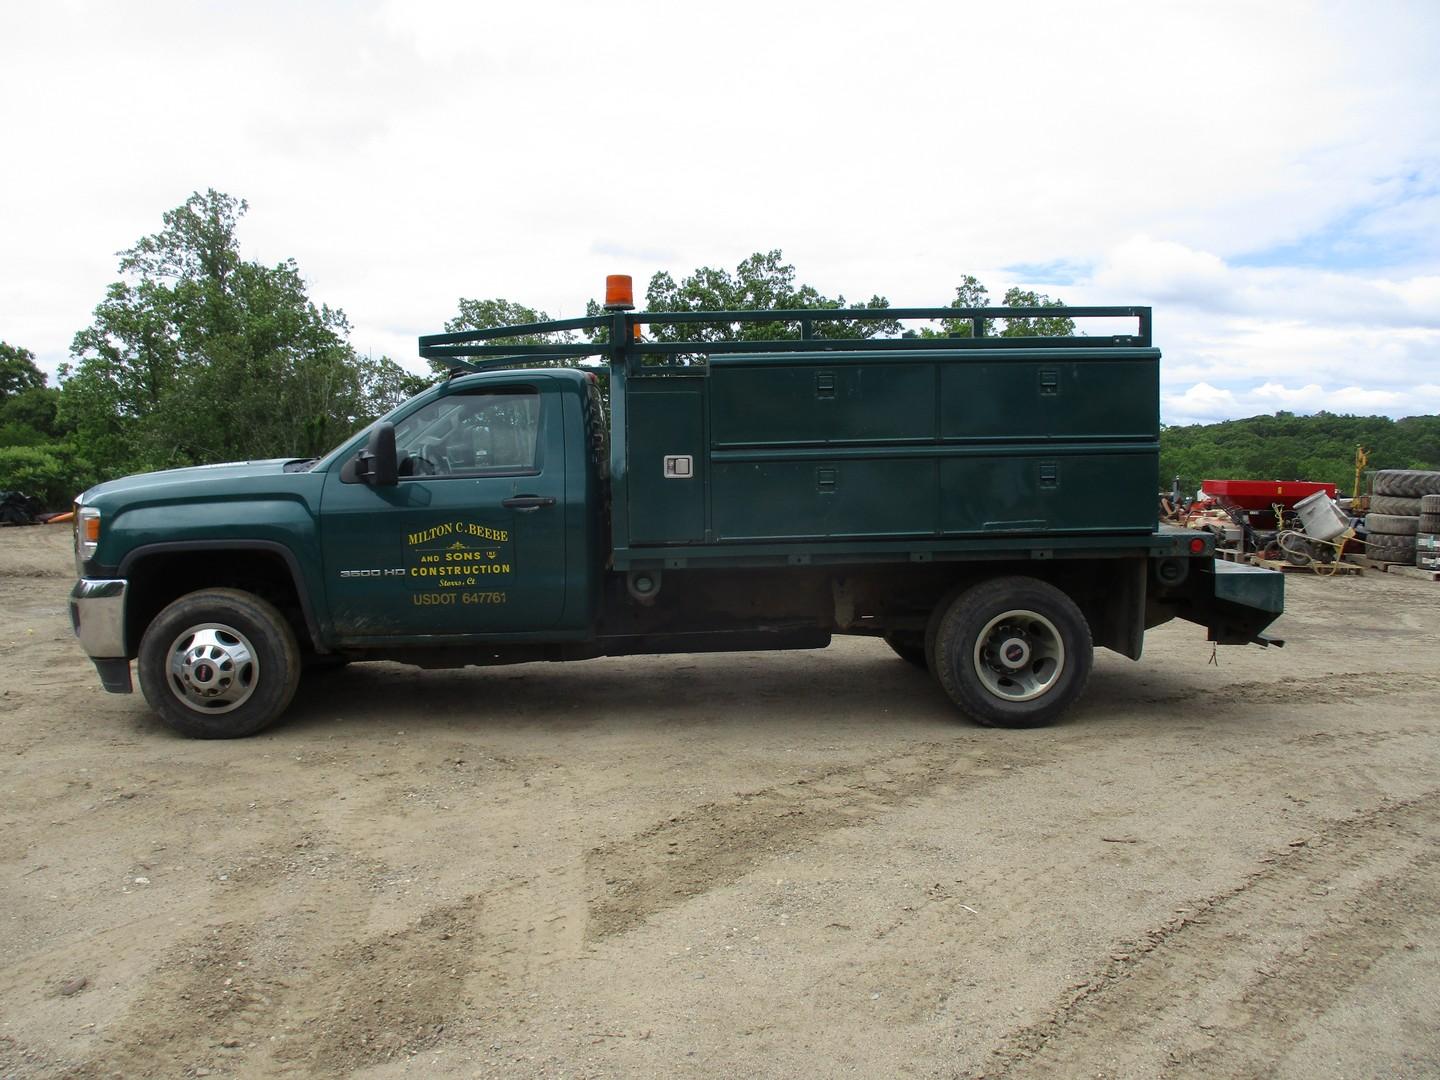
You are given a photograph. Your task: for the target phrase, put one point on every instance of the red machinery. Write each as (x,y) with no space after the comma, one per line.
(1259,496)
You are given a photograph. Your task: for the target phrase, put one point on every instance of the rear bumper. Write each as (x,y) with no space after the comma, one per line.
(97,614)
(1237,602)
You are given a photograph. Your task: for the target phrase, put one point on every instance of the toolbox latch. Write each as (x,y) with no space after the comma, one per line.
(825,479)
(1049,475)
(824,384)
(1049,382)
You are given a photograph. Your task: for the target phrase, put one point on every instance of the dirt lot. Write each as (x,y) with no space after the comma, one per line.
(767,865)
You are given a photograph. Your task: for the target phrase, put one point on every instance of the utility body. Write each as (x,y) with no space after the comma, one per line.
(986,505)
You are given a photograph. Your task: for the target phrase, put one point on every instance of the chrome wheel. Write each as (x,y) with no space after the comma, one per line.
(1019,655)
(212,668)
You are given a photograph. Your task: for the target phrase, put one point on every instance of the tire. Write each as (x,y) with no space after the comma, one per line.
(1392,524)
(932,628)
(1394,504)
(1295,549)
(1383,548)
(1429,504)
(1013,652)
(1429,523)
(909,647)
(1407,483)
(219,664)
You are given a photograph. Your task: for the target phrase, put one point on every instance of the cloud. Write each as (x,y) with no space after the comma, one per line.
(631,253)
(1240,340)
(1164,271)
(1264,176)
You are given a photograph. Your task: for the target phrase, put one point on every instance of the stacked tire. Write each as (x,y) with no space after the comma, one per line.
(1427,539)
(1404,518)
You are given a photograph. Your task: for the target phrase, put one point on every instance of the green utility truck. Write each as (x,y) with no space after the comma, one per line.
(767,479)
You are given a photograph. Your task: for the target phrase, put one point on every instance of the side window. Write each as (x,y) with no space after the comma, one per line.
(488,433)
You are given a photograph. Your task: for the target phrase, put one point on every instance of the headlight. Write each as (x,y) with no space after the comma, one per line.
(87,531)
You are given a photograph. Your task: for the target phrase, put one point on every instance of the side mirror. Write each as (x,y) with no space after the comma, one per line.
(377,464)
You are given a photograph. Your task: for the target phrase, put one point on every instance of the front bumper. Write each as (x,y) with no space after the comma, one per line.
(97,613)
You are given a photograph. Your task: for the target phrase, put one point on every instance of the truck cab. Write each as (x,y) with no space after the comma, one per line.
(491,527)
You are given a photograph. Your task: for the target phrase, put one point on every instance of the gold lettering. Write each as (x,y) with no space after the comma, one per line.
(421,537)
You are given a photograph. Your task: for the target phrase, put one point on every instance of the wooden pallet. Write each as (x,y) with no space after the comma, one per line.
(1232,555)
(1334,569)
(1417,572)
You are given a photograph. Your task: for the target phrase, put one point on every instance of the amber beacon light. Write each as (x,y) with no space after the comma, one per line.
(619,292)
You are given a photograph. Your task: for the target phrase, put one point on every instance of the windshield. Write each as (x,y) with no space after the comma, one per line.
(355,441)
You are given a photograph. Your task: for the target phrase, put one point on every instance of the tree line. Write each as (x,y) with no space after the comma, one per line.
(196,355)
(1289,447)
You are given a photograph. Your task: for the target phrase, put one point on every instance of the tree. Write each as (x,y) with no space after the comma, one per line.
(18,372)
(54,473)
(764,280)
(29,417)
(1289,447)
(34,458)
(488,314)
(199,355)
(27,404)
(1040,325)
(971,293)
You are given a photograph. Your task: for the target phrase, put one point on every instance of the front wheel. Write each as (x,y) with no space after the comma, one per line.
(219,664)
(1014,652)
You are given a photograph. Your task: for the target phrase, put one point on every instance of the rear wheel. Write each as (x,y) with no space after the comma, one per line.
(219,664)
(1014,652)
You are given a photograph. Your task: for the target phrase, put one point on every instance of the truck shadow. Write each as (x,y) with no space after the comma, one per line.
(817,690)
(633,693)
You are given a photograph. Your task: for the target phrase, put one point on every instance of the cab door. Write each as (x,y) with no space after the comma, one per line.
(471,539)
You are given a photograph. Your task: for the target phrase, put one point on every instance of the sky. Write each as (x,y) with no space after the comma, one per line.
(1265,175)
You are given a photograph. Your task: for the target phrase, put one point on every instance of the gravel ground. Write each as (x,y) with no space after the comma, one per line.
(766,865)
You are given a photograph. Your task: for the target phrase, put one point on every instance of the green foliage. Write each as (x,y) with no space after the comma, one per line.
(1290,447)
(1039,326)
(488,314)
(27,405)
(18,372)
(971,293)
(198,355)
(34,407)
(762,281)
(54,473)
(384,384)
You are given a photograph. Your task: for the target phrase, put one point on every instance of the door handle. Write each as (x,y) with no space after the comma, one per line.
(527,503)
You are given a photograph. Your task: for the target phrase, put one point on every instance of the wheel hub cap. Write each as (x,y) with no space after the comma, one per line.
(1014,652)
(212,668)
(1019,656)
